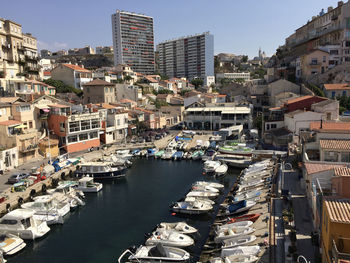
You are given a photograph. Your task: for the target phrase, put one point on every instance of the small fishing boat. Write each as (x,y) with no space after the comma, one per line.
(221,170)
(197,155)
(231,233)
(239,207)
(200,199)
(245,196)
(21,222)
(235,258)
(240,250)
(124,154)
(211,184)
(234,225)
(159,154)
(100,170)
(236,150)
(178,155)
(181,227)
(136,152)
(143,153)
(249,217)
(238,161)
(151,152)
(158,253)
(67,194)
(169,238)
(193,208)
(168,153)
(238,241)
(210,166)
(209,155)
(87,185)
(10,244)
(202,194)
(205,188)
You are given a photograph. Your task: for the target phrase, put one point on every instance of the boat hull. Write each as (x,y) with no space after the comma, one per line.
(104,175)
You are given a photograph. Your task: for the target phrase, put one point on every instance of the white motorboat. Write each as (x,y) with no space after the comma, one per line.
(209,155)
(143,152)
(200,199)
(205,188)
(158,253)
(221,170)
(232,232)
(251,183)
(240,250)
(238,241)
(235,259)
(168,153)
(234,225)
(10,244)
(46,209)
(67,194)
(21,222)
(210,166)
(169,238)
(87,184)
(202,194)
(246,196)
(211,184)
(181,227)
(124,154)
(193,208)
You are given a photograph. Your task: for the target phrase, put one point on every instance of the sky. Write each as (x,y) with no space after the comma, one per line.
(239,26)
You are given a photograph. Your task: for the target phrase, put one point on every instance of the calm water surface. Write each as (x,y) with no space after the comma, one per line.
(120,215)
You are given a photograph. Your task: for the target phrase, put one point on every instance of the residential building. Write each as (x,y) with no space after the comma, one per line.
(49,148)
(327,28)
(300,120)
(191,57)
(18,56)
(335,238)
(176,112)
(233,76)
(149,118)
(44,53)
(124,91)
(133,41)
(8,158)
(125,73)
(34,88)
(313,62)
(99,91)
(341,182)
(336,90)
(215,117)
(77,127)
(72,75)
(5,111)
(104,50)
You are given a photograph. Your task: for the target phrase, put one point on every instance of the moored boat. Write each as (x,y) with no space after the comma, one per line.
(221,170)
(10,244)
(231,233)
(169,238)
(240,250)
(181,227)
(238,241)
(87,185)
(193,208)
(100,170)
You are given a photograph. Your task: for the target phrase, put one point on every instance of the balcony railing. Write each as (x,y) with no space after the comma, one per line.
(43,116)
(28,148)
(337,254)
(315,63)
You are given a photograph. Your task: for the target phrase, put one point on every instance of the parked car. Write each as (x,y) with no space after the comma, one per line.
(133,140)
(17,177)
(158,136)
(141,140)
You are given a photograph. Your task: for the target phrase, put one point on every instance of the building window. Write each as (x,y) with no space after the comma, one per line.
(106,90)
(118,122)
(111,90)
(72,138)
(273,126)
(324,58)
(83,137)
(23,108)
(93,135)
(30,125)
(85,125)
(95,124)
(62,127)
(74,126)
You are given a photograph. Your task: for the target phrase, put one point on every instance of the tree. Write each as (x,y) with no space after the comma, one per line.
(258,122)
(163,91)
(316,90)
(197,83)
(61,87)
(184,91)
(127,78)
(245,59)
(160,103)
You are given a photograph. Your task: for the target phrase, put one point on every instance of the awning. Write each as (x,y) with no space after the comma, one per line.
(46,110)
(21,126)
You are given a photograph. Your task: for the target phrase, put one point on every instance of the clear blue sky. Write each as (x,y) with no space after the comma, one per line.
(238,26)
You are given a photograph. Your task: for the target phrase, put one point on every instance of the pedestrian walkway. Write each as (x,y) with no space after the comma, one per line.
(302,215)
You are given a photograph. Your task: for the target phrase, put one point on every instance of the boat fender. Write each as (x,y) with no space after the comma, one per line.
(173,214)
(20,201)
(8,207)
(43,188)
(32,193)
(63,175)
(54,182)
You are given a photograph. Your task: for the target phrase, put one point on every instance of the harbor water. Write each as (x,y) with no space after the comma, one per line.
(120,215)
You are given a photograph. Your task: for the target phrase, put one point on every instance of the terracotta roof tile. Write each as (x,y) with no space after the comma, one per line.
(330,126)
(335,144)
(77,68)
(342,171)
(98,82)
(316,167)
(299,99)
(10,123)
(338,210)
(338,86)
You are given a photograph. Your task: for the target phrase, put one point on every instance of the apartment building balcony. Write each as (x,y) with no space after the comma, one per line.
(43,116)
(339,252)
(31,69)
(314,64)
(29,148)
(31,58)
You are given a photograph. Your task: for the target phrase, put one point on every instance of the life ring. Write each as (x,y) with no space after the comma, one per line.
(54,182)
(43,188)
(63,175)
(8,207)
(20,201)
(32,192)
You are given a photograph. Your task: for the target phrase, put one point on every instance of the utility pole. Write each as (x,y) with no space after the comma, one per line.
(48,135)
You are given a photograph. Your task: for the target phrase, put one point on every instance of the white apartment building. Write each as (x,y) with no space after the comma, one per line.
(215,117)
(234,75)
(133,41)
(190,57)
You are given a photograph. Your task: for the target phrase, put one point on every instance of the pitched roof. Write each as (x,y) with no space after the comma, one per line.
(330,126)
(10,122)
(338,210)
(342,171)
(316,167)
(298,99)
(98,82)
(128,101)
(162,96)
(335,144)
(9,99)
(338,86)
(76,68)
(150,79)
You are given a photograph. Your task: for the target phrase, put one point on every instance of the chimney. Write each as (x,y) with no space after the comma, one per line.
(340,3)
(330,8)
